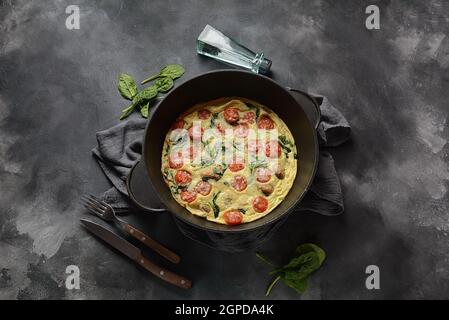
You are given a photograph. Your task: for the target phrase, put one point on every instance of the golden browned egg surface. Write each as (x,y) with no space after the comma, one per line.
(229,180)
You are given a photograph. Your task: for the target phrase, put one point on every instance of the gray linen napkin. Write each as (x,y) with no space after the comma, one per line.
(120,146)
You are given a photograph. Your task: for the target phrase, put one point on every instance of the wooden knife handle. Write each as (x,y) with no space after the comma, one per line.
(153,244)
(164,274)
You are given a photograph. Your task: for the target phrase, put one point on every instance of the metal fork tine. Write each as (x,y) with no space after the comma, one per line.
(93,210)
(100,201)
(91,203)
(94,199)
(96,207)
(95,202)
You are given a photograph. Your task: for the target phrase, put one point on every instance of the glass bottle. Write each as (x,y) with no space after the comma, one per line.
(216,45)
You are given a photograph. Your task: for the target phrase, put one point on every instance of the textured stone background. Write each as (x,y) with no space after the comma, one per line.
(57,88)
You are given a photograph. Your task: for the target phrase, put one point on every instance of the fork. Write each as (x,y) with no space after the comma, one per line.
(107,213)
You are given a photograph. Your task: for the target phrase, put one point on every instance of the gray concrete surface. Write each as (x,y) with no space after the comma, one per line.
(57,88)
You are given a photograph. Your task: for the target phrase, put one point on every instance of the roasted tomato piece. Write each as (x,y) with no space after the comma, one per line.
(265,122)
(188,196)
(203,188)
(239,183)
(241,130)
(260,204)
(196,132)
(249,117)
(178,124)
(175,161)
(204,114)
(263,175)
(234,167)
(231,115)
(221,130)
(233,217)
(276,147)
(193,152)
(183,177)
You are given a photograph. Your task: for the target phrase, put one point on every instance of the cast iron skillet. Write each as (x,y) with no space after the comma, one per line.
(224,83)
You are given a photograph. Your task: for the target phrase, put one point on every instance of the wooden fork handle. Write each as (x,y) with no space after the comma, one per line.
(153,244)
(164,274)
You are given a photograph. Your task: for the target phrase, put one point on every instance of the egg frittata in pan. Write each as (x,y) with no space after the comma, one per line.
(230,160)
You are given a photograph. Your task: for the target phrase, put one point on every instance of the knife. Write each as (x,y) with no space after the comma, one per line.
(135,254)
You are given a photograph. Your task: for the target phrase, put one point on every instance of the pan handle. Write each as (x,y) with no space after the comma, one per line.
(133,185)
(315,114)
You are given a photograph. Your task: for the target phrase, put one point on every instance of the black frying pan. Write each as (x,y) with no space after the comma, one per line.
(223,83)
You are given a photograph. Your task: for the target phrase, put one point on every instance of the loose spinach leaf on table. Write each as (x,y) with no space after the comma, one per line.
(127,86)
(164,84)
(142,100)
(308,258)
(144,110)
(145,95)
(173,71)
(127,111)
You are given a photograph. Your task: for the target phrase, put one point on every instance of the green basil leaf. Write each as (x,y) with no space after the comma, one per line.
(164,84)
(173,71)
(127,86)
(144,110)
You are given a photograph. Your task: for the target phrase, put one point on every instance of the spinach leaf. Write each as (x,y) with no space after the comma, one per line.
(217,173)
(242,210)
(284,143)
(213,120)
(310,247)
(127,111)
(308,258)
(140,100)
(257,164)
(164,84)
(284,140)
(176,189)
(167,150)
(144,110)
(145,95)
(251,106)
(127,86)
(169,177)
(172,71)
(299,285)
(214,204)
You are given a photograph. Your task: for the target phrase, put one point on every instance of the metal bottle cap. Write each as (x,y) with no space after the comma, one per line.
(265,66)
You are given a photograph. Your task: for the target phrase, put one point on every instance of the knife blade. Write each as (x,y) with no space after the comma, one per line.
(111,238)
(135,254)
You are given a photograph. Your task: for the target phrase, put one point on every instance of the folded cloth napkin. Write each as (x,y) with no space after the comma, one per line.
(120,147)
